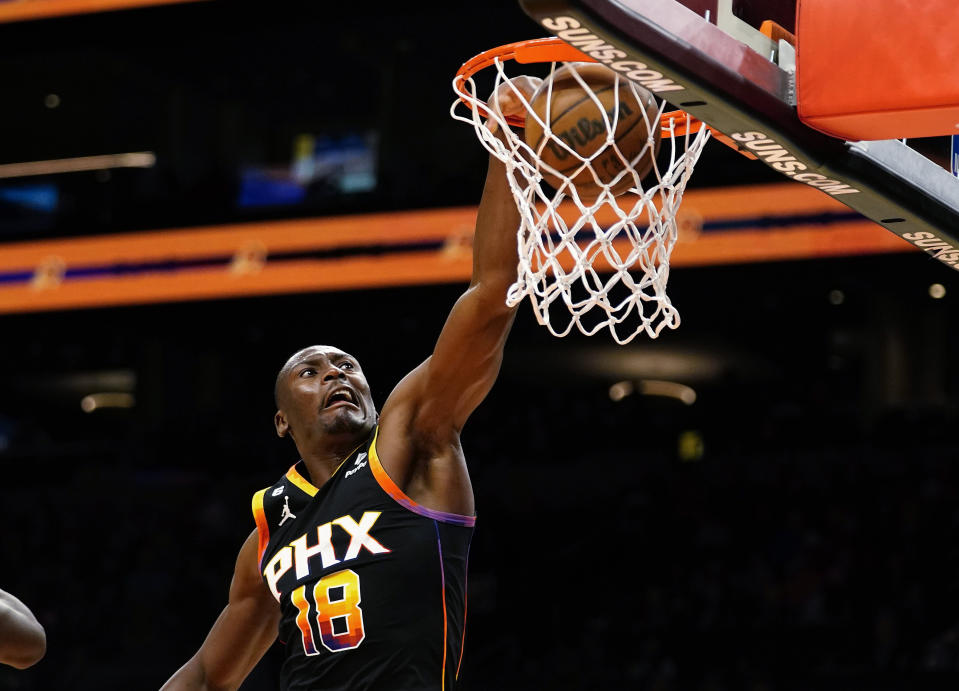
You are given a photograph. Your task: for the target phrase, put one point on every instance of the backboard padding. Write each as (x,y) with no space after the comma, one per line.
(694,65)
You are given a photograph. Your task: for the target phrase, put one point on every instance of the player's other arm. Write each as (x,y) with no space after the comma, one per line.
(241,635)
(22,639)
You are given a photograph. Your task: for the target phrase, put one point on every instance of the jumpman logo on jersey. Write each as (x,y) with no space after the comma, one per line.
(286,510)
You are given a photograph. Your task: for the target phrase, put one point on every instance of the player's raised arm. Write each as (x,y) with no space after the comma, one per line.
(466,360)
(22,639)
(427,410)
(243,632)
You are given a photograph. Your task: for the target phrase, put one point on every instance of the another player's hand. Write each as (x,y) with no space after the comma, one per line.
(512,98)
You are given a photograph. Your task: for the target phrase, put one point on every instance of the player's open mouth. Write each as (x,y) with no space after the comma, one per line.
(340,397)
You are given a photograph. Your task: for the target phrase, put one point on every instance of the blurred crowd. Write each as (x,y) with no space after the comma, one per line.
(601,559)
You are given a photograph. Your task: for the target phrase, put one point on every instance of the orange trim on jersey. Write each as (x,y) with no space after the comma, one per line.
(443,684)
(293,475)
(262,526)
(390,487)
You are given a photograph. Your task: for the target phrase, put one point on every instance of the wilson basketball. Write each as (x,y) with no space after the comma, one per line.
(576,121)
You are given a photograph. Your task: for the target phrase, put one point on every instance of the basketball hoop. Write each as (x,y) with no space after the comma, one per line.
(605,259)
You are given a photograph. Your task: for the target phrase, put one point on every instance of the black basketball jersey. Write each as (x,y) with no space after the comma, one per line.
(371,585)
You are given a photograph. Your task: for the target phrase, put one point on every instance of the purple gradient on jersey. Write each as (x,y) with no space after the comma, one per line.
(442,516)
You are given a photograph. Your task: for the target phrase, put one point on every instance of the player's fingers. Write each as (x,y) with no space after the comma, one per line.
(526,86)
(501,104)
(512,98)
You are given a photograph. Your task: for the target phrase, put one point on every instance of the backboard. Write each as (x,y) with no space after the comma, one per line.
(708,58)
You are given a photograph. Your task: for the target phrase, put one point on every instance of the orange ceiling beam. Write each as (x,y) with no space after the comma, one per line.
(313,234)
(26,10)
(209,284)
(297,235)
(417,268)
(243,265)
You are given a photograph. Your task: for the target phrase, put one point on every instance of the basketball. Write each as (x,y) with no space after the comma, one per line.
(576,121)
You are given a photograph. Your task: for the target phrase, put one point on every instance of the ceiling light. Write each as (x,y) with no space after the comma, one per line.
(668,389)
(141,159)
(620,390)
(98,401)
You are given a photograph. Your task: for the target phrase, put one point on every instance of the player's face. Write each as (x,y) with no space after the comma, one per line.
(327,393)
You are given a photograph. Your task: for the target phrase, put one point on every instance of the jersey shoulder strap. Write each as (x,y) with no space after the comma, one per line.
(272,504)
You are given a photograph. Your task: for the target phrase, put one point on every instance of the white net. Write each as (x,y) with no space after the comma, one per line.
(586,261)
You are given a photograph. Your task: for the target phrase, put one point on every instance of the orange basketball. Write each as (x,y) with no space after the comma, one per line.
(575,119)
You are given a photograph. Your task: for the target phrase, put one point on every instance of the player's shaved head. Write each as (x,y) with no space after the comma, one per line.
(281,385)
(302,392)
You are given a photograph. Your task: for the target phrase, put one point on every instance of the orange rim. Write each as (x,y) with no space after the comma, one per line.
(536,50)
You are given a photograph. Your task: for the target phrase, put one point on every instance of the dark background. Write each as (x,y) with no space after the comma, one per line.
(812,544)
(215,88)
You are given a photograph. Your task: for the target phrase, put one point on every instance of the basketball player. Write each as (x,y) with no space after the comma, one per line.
(23,641)
(359,556)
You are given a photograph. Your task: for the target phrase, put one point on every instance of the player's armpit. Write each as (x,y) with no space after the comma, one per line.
(23,641)
(243,632)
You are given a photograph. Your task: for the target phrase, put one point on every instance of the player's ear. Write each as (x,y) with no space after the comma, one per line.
(282,426)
